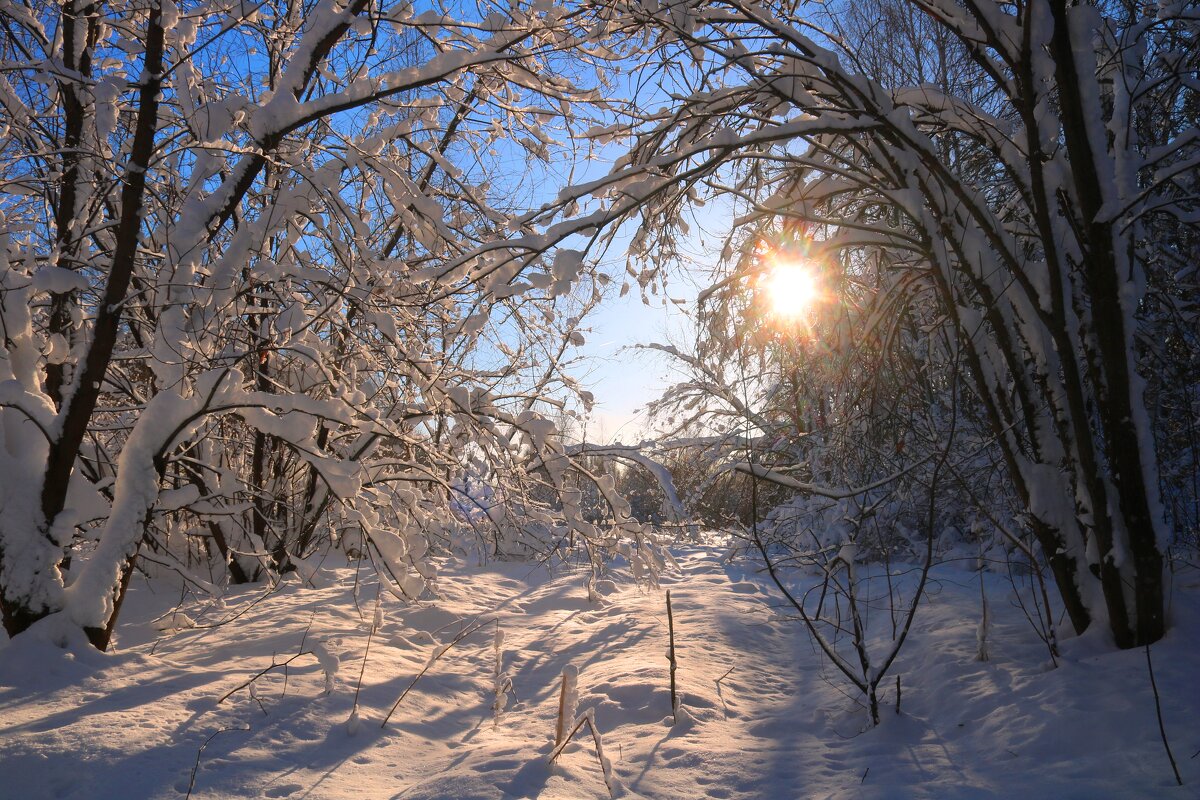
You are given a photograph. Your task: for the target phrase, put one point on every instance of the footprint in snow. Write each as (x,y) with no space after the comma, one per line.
(605,588)
(418,640)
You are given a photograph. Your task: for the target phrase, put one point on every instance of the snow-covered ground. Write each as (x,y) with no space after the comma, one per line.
(764,715)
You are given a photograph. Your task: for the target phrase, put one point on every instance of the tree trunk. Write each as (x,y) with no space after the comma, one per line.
(1118,402)
(77,412)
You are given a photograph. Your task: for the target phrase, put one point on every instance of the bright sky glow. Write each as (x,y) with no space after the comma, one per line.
(791,288)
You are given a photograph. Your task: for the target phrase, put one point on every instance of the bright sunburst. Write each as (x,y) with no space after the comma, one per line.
(791,288)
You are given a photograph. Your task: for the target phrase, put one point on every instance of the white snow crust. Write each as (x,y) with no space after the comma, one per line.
(765,715)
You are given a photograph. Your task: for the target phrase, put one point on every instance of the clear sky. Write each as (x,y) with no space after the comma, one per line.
(622,378)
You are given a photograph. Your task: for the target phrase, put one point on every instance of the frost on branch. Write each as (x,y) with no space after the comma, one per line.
(325,227)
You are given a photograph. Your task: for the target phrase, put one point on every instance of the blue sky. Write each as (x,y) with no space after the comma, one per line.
(622,379)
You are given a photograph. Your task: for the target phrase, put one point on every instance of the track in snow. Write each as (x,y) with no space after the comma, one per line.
(764,715)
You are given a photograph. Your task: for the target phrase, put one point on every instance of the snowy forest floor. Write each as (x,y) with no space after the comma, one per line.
(765,715)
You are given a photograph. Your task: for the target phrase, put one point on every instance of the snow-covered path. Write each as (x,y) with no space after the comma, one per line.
(764,714)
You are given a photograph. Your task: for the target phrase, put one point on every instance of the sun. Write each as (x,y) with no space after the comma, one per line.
(792,288)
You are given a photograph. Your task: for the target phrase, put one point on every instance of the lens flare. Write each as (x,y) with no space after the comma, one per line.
(791,288)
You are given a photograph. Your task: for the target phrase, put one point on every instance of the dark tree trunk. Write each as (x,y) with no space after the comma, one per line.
(1110,368)
(77,413)
(77,20)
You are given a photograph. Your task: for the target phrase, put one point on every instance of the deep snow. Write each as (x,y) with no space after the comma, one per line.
(764,716)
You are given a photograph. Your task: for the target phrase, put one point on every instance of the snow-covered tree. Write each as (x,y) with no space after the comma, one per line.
(264,284)
(1018,198)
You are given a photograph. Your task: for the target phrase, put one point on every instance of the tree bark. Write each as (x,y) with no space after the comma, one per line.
(1111,374)
(77,411)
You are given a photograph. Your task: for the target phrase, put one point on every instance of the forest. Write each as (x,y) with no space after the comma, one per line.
(297,492)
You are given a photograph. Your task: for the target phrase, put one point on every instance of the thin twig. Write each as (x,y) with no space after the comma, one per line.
(561,723)
(1162,729)
(275,665)
(588,718)
(261,672)
(672,659)
(464,633)
(363,670)
(196,766)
